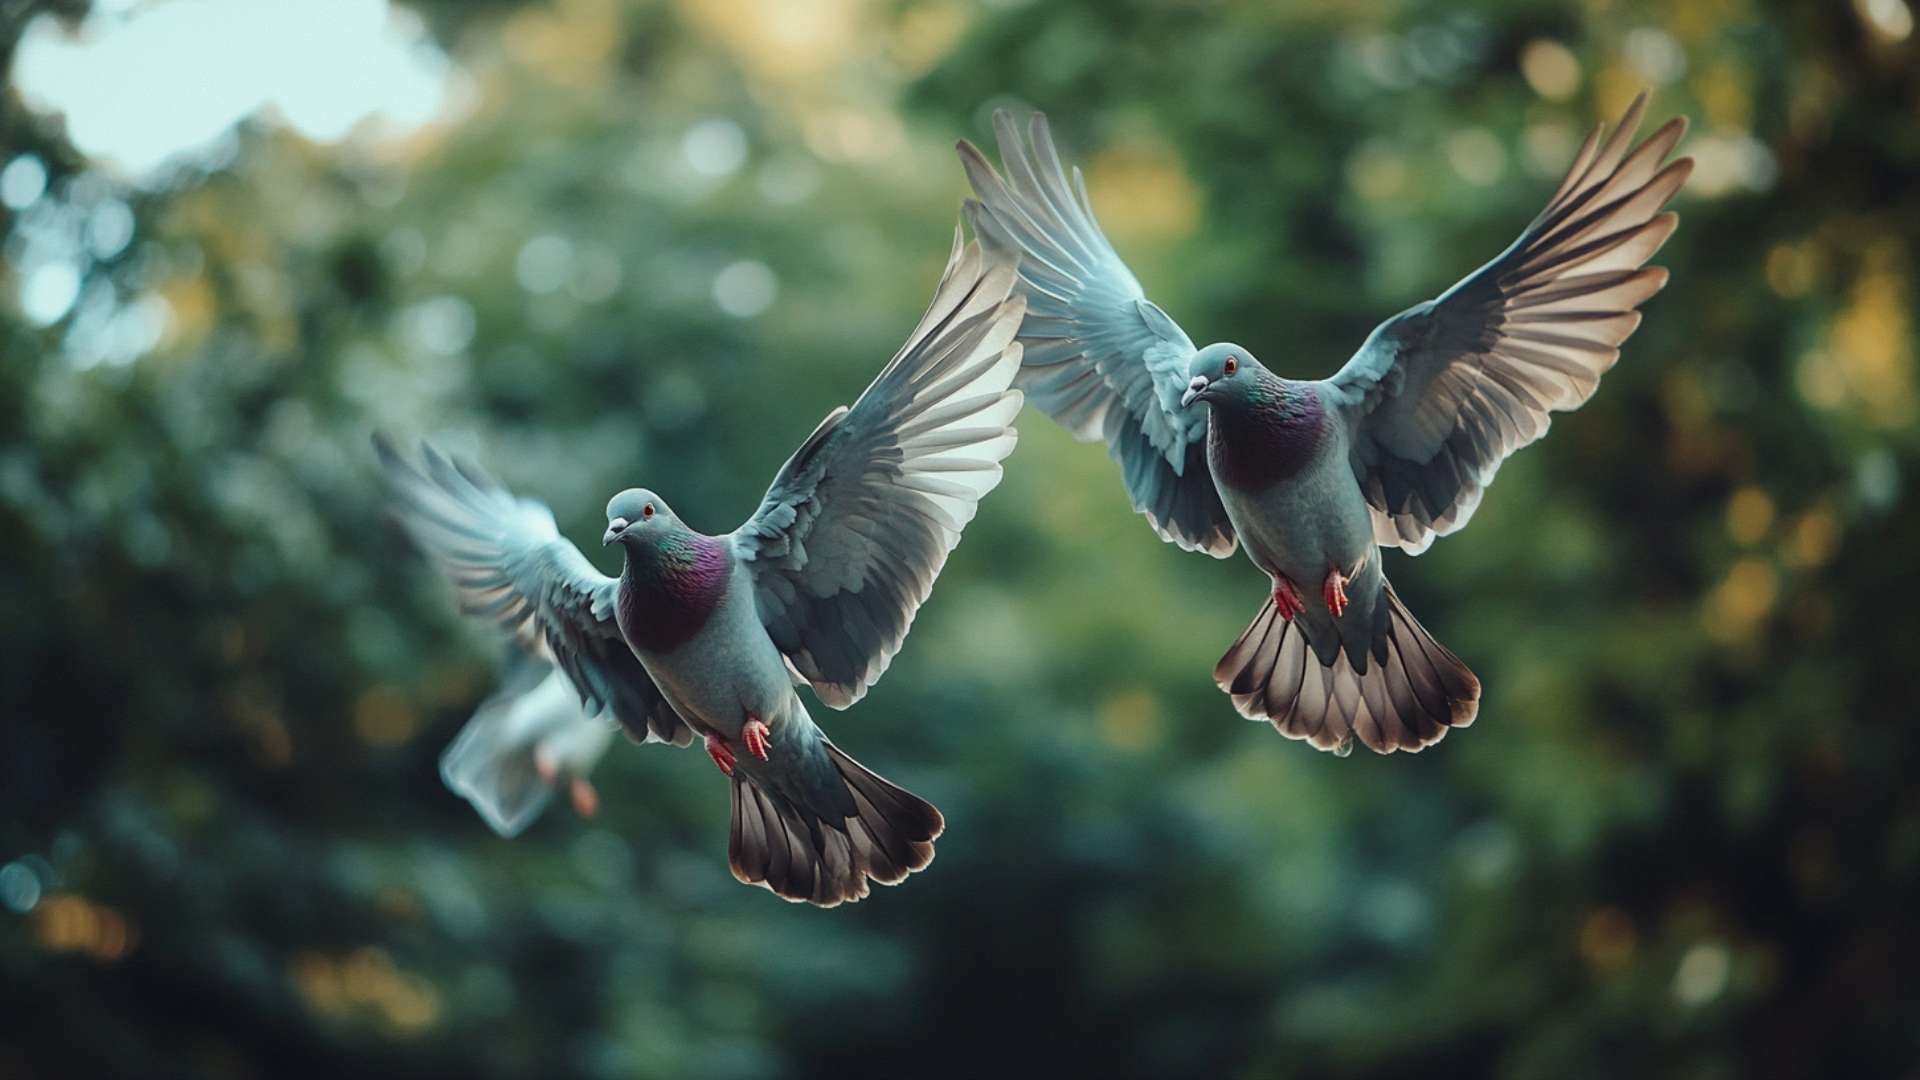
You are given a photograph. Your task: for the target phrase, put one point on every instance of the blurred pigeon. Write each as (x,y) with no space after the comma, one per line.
(528,739)
(1395,449)
(709,635)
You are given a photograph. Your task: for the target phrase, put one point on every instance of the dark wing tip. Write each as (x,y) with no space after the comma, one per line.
(1677,126)
(1635,109)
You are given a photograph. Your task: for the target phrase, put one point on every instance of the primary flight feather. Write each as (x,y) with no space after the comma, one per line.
(1310,477)
(706,635)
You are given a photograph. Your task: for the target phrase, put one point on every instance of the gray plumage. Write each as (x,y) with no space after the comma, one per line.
(509,563)
(1309,477)
(1100,357)
(819,586)
(530,737)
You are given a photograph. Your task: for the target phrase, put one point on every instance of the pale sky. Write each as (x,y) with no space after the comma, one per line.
(146,82)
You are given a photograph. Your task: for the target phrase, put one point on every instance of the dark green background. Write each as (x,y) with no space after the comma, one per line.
(1683,837)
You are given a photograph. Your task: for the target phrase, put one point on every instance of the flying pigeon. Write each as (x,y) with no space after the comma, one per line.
(709,636)
(1311,476)
(528,739)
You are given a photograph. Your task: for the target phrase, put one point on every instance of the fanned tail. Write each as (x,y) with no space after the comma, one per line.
(826,859)
(1403,693)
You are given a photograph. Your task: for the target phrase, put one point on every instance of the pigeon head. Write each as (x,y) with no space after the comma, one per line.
(1220,371)
(671,578)
(637,516)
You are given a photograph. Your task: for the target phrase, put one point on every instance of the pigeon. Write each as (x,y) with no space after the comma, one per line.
(1312,477)
(528,739)
(710,636)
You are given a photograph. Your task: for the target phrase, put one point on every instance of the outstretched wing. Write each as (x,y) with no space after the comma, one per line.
(847,542)
(1100,357)
(1445,391)
(510,564)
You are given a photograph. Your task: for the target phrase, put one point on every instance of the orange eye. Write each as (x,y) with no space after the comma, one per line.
(1232,365)
(646,511)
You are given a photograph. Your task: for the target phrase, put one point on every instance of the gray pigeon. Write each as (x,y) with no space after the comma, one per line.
(527,740)
(710,635)
(1310,476)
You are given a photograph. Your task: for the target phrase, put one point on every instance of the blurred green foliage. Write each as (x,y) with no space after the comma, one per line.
(1682,839)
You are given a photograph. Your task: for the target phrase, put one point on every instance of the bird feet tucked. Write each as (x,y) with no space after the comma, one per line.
(1335,592)
(1287,598)
(586,801)
(721,753)
(757,735)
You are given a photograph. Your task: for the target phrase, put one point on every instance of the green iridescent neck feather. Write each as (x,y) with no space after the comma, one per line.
(671,586)
(1265,433)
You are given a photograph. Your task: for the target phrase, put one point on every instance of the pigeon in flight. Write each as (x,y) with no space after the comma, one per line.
(709,636)
(527,740)
(1311,476)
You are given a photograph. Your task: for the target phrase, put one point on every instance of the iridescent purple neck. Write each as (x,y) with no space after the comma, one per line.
(671,587)
(1264,433)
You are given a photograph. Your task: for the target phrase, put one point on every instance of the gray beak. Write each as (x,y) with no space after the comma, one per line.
(614,529)
(1194,389)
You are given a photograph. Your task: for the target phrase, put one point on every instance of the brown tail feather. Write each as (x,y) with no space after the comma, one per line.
(1411,691)
(803,857)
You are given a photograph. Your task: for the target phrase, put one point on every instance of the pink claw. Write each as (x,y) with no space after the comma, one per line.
(757,736)
(586,801)
(721,753)
(1335,592)
(1287,598)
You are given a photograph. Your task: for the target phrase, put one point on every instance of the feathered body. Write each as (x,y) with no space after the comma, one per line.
(1277,429)
(1395,449)
(524,742)
(1279,459)
(670,588)
(711,635)
(685,605)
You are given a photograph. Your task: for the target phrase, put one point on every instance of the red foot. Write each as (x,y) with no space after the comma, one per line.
(721,753)
(544,764)
(586,801)
(1335,592)
(1287,598)
(756,735)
